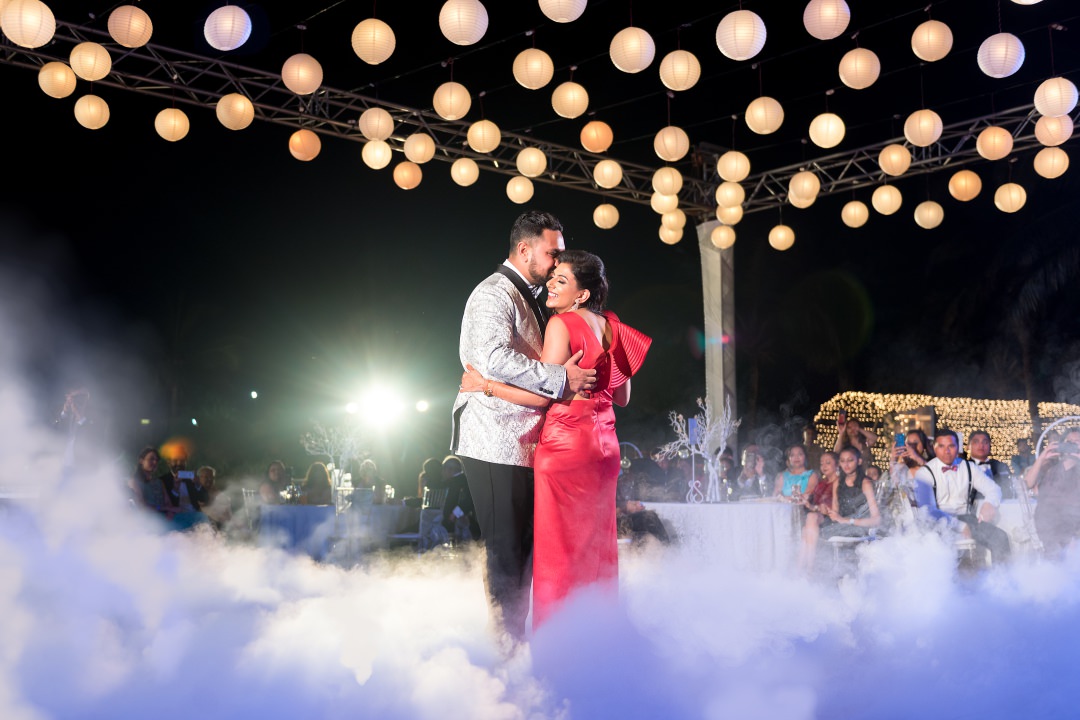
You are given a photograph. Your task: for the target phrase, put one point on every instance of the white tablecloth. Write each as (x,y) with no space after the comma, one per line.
(370,526)
(298,528)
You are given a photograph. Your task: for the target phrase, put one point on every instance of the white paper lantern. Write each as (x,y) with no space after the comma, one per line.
(90,61)
(799,202)
(855,214)
(730,194)
(56,79)
(464,171)
(764,115)
(569,100)
(670,236)
(605,216)
(1052,131)
(533,68)
(463,22)
(1027,2)
(305,145)
(532,162)
(733,165)
(227,28)
(894,159)
(1010,197)
(235,111)
(730,215)
(1051,162)
(671,144)
(608,174)
(519,189)
(172,124)
(826,19)
(994,143)
(419,147)
(965,185)
(923,128)
(804,185)
(376,154)
(661,203)
(484,136)
(929,214)
(597,136)
(740,35)
(407,175)
(1001,55)
(130,26)
(680,70)
(27,23)
(827,130)
(302,74)
(931,41)
(452,101)
(632,50)
(674,219)
(563,11)
(1055,97)
(91,112)
(373,41)
(886,199)
(859,68)
(376,124)
(781,237)
(722,236)
(667,181)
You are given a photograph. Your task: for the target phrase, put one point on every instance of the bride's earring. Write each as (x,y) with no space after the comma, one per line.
(575,305)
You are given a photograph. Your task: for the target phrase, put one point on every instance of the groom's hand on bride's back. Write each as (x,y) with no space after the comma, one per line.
(579,379)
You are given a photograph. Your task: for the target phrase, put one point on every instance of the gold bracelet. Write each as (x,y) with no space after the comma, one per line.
(489,388)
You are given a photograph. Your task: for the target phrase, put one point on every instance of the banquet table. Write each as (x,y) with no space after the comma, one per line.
(298,528)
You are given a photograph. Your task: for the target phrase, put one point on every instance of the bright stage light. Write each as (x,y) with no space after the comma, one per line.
(351,408)
(254,394)
(379,405)
(422,406)
(194,422)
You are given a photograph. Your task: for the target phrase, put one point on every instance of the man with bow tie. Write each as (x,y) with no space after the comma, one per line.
(979,453)
(945,488)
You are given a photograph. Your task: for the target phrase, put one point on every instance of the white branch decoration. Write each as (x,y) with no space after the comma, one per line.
(710,440)
(341,444)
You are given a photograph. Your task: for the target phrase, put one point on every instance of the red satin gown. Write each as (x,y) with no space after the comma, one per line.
(576,468)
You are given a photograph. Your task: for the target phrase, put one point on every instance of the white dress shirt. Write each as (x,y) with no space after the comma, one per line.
(952,485)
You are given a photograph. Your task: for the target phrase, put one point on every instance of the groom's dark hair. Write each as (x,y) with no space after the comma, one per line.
(532,224)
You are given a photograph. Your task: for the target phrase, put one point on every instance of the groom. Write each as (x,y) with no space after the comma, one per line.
(502,335)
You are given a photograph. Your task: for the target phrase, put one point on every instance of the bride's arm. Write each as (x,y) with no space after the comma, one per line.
(621,395)
(473,381)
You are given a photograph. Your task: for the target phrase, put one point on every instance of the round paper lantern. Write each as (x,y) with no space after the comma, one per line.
(632,50)
(597,136)
(302,74)
(533,68)
(827,130)
(1010,197)
(27,23)
(1027,2)
(235,111)
(894,159)
(1052,131)
(826,19)
(373,41)
(929,214)
(859,68)
(56,79)
(376,154)
(781,237)
(1001,55)
(1051,162)
(931,41)
(609,174)
(484,136)
(90,61)
(376,124)
(563,11)
(722,236)
(464,171)
(569,100)
(519,189)
(419,147)
(730,194)
(452,101)
(463,22)
(800,202)
(733,165)
(91,112)
(667,181)
(670,236)
(227,28)
(661,203)
(305,145)
(532,162)
(605,216)
(923,128)
(729,215)
(671,144)
(674,219)
(1055,97)
(965,185)
(740,35)
(680,70)
(804,185)
(886,199)
(994,143)
(764,115)
(130,26)
(855,214)
(407,175)
(172,124)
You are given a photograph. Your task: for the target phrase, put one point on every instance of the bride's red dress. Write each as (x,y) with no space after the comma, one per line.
(576,468)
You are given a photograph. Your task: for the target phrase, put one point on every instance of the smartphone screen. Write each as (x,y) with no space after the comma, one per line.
(900,437)
(186,475)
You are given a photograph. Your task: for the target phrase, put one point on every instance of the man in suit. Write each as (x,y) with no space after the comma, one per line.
(502,335)
(979,453)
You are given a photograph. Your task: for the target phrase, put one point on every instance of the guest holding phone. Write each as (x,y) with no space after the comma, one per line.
(850,433)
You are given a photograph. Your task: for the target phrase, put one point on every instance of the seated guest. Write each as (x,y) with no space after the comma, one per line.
(908,458)
(979,453)
(850,433)
(854,509)
(316,486)
(276,480)
(147,489)
(634,521)
(753,480)
(797,479)
(458,512)
(817,504)
(369,477)
(1023,458)
(1055,475)
(874,473)
(945,489)
(215,504)
(431,476)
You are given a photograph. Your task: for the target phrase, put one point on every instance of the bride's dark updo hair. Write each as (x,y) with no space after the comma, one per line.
(590,275)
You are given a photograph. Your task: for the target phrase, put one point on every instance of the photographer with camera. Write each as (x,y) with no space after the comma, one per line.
(1055,476)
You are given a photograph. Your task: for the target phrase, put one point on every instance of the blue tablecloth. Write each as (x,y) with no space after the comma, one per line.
(297,528)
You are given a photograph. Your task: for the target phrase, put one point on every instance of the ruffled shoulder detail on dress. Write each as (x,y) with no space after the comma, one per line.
(628,350)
